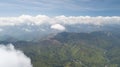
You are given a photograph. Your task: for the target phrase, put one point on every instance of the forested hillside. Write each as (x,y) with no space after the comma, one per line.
(67,49)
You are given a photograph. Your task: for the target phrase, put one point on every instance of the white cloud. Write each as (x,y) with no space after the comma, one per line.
(10,57)
(43,19)
(58,27)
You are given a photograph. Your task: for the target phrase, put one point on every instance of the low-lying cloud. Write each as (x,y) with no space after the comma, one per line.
(10,57)
(58,27)
(43,19)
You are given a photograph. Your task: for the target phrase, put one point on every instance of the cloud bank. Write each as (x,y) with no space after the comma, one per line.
(10,57)
(46,23)
(43,19)
(63,20)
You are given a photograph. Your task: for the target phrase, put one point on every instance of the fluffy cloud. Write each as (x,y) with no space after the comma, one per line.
(43,19)
(58,27)
(10,57)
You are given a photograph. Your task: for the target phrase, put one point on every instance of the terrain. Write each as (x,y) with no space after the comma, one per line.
(73,49)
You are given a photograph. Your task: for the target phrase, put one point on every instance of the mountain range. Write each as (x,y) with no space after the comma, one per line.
(66,45)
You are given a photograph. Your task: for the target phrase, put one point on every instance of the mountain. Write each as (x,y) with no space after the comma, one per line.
(32,32)
(73,49)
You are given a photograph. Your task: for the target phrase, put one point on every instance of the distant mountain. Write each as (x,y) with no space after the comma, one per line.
(27,32)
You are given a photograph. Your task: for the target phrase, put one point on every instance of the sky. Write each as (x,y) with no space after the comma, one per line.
(60,7)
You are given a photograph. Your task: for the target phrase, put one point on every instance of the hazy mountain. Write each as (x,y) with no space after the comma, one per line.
(34,32)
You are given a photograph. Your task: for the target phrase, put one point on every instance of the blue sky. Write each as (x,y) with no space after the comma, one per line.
(60,7)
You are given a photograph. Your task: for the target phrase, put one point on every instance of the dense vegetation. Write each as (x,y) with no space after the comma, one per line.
(95,49)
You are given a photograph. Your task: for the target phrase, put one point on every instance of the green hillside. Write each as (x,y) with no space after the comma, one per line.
(95,49)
